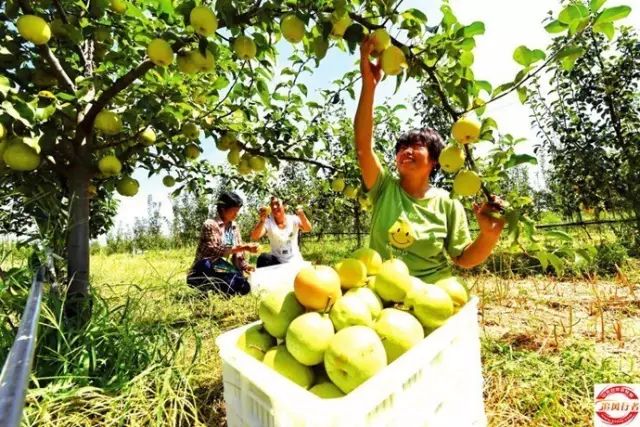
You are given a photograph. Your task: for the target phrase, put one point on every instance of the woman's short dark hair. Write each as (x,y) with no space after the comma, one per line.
(428,137)
(229,199)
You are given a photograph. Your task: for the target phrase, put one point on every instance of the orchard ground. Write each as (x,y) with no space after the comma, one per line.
(542,342)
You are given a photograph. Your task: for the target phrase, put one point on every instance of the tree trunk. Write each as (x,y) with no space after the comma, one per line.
(78,237)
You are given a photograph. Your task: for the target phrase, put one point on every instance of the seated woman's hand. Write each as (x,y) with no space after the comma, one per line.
(488,214)
(252,247)
(246,247)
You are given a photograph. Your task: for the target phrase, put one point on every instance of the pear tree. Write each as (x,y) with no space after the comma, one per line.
(91,92)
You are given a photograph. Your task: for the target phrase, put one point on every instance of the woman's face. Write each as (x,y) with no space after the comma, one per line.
(229,214)
(277,208)
(414,159)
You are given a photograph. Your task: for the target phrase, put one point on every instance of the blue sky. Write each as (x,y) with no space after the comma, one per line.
(508,23)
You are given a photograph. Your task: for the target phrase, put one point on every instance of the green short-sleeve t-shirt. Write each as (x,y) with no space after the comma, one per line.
(424,229)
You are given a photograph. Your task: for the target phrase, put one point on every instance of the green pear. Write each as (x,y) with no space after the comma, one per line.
(326,390)
(355,354)
(399,332)
(308,337)
(279,359)
(430,304)
(277,309)
(456,290)
(371,259)
(370,298)
(350,310)
(256,341)
(393,281)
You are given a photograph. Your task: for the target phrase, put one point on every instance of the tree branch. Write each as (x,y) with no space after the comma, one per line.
(535,72)
(431,72)
(48,55)
(65,19)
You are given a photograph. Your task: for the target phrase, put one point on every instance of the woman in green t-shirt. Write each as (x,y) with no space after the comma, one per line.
(412,220)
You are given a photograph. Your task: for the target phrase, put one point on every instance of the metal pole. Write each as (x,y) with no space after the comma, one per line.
(14,378)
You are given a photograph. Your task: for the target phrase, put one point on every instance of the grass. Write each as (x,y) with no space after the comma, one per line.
(149,358)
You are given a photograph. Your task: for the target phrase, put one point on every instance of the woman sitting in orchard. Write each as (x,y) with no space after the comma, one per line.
(426,221)
(282,231)
(219,240)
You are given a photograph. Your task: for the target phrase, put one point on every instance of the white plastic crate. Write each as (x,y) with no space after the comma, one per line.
(437,383)
(275,276)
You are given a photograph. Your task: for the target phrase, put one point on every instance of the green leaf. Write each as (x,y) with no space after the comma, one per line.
(559,235)
(523,94)
(416,14)
(573,12)
(354,35)
(569,55)
(467,44)
(263,91)
(556,26)
(525,56)
(466,59)
(503,88)
(19,110)
(484,85)
(5,85)
(578,25)
(220,83)
(519,159)
(595,5)
(606,28)
(613,14)
(488,124)
(522,74)
(474,29)
(512,218)
(543,257)
(556,263)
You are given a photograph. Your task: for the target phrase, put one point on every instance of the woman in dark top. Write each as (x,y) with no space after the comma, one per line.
(219,240)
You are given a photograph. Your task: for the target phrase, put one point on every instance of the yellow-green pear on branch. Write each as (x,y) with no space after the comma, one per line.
(20,156)
(108,122)
(467,183)
(292,28)
(34,29)
(466,130)
(202,62)
(451,158)
(186,64)
(243,167)
(92,191)
(148,137)
(128,186)
(110,166)
(257,163)
(118,6)
(393,61)
(203,20)
(160,52)
(381,41)
(233,157)
(226,141)
(169,181)
(340,24)
(245,47)
(337,185)
(191,130)
(192,151)
(351,192)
